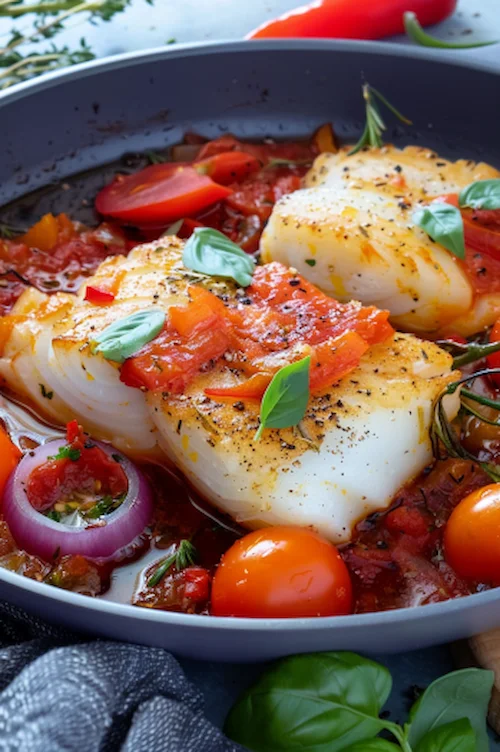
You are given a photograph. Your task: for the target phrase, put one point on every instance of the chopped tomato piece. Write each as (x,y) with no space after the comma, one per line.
(97,296)
(197,584)
(335,358)
(228,167)
(293,152)
(188,227)
(258,194)
(43,235)
(159,193)
(252,388)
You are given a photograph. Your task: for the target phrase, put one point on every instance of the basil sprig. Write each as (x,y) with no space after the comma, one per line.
(285,399)
(332,701)
(210,252)
(483,194)
(125,337)
(444,224)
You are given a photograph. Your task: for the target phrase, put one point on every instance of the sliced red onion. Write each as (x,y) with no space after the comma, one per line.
(37,534)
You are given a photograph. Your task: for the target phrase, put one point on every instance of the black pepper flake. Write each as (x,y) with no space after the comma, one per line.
(179,426)
(398,168)
(240,406)
(294,282)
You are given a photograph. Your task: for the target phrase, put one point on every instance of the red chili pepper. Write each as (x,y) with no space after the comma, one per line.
(351,19)
(97,296)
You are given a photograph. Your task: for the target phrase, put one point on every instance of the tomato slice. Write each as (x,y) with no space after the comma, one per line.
(159,193)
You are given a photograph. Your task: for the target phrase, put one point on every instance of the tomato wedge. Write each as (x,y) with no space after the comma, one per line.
(228,167)
(160,193)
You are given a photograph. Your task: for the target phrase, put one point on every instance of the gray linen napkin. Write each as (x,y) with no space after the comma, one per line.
(61,694)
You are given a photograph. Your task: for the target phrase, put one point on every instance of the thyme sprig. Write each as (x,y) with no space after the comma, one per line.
(467,352)
(444,434)
(182,557)
(375,126)
(50,17)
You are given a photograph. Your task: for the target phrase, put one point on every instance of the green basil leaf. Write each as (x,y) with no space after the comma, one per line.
(443,223)
(483,194)
(122,339)
(373,745)
(457,736)
(210,252)
(285,399)
(461,694)
(321,702)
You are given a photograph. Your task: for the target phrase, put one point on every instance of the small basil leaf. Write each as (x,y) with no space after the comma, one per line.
(321,702)
(125,337)
(457,736)
(483,194)
(285,399)
(443,223)
(461,694)
(373,745)
(210,252)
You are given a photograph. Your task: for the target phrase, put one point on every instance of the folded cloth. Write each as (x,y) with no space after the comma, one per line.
(61,693)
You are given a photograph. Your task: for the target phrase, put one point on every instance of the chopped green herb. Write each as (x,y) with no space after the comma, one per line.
(285,399)
(172,40)
(53,515)
(106,505)
(45,393)
(311,262)
(183,557)
(66,453)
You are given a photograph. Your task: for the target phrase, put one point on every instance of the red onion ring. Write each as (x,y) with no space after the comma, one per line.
(37,534)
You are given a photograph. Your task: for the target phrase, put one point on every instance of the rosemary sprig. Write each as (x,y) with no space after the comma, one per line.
(375,126)
(182,557)
(442,432)
(468,352)
(419,36)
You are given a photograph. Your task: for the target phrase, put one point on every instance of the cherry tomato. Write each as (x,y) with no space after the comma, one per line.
(9,457)
(159,193)
(472,536)
(281,572)
(228,167)
(494,359)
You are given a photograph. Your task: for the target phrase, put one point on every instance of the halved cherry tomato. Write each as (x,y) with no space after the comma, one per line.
(494,359)
(9,457)
(159,193)
(228,167)
(281,572)
(472,536)
(97,296)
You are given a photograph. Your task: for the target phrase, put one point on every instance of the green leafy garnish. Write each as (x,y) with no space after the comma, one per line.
(285,400)
(483,194)
(332,702)
(53,515)
(468,352)
(444,224)
(418,35)
(375,126)
(182,557)
(66,453)
(122,339)
(210,252)
(443,434)
(311,262)
(45,393)
(106,505)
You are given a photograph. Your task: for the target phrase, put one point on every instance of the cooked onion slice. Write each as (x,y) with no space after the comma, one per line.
(38,534)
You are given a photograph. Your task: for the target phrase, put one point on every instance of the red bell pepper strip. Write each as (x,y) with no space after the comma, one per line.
(97,296)
(352,19)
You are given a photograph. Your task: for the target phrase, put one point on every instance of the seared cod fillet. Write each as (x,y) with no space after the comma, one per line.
(350,232)
(359,442)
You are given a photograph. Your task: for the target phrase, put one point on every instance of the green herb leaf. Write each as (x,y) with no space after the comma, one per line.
(285,399)
(457,736)
(418,35)
(375,126)
(106,505)
(373,745)
(461,694)
(122,339)
(483,194)
(183,557)
(443,223)
(321,702)
(173,229)
(311,262)
(210,252)
(45,393)
(66,453)
(53,515)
